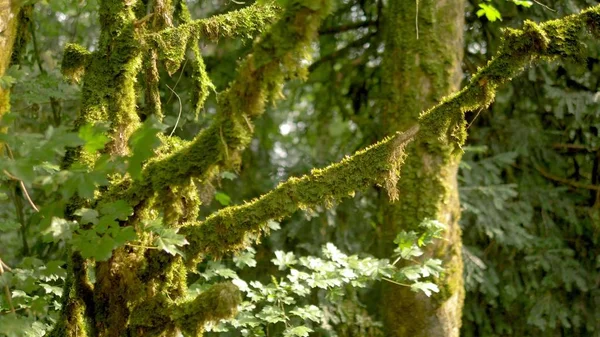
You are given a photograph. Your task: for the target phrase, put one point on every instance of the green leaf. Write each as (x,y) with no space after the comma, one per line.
(432,267)
(490,12)
(104,248)
(60,229)
(272,314)
(426,287)
(284,260)
(273,225)
(87,215)
(94,137)
(167,239)
(223,198)
(7,81)
(300,331)
(245,258)
(119,210)
(122,235)
(142,143)
(524,3)
(310,312)
(7,225)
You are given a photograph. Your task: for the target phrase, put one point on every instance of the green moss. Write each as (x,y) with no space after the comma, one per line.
(75,60)
(218,302)
(416,73)
(232,228)
(23,34)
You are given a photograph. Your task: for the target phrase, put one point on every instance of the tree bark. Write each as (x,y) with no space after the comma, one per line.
(421,64)
(8,34)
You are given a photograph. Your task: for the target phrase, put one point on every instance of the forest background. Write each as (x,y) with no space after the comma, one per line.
(529,178)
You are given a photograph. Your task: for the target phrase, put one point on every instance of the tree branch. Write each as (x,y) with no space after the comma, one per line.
(560,38)
(244,22)
(347,27)
(566,181)
(275,57)
(231,228)
(218,302)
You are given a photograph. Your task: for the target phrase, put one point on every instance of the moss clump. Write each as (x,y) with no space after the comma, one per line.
(218,302)
(75,60)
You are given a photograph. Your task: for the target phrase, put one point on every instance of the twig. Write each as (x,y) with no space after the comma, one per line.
(178,79)
(394,282)
(347,27)
(541,4)
(180,108)
(566,181)
(6,289)
(417,18)
(340,52)
(474,118)
(10,155)
(142,20)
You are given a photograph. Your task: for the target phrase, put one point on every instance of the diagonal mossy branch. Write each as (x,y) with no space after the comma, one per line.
(231,228)
(560,38)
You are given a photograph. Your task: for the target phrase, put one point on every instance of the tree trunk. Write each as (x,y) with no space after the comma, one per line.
(420,66)
(8,34)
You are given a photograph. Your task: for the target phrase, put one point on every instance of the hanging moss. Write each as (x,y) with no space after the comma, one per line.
(280,52)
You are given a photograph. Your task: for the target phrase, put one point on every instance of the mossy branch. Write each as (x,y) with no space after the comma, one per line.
(275,57)
(218,302)
(245,22)
(560,38)
(172,43)
(232,228)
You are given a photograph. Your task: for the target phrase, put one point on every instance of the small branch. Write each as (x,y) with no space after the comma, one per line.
(395,282)
(347,27)
(180,109)
(565,181)
(54,104)
(240,23)
(573,147)
(6,289)
(10,155)
(541,4)
(341,51)
(142,20)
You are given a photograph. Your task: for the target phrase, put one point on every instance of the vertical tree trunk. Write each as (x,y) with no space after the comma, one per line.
(8,34)
(420,66)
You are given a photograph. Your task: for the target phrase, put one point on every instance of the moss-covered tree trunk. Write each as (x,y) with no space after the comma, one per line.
(421,66)
(8,35)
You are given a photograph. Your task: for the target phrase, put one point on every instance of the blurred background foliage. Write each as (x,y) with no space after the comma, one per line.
(529,180)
